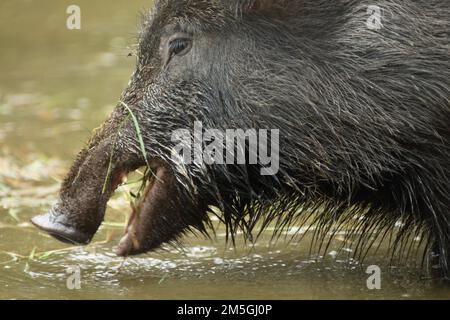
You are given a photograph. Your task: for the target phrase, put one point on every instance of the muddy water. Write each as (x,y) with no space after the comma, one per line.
(56,85)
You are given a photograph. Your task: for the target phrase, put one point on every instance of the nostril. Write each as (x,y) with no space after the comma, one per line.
(60,231)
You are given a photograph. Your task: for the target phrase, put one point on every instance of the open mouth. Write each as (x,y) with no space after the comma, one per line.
(154,219)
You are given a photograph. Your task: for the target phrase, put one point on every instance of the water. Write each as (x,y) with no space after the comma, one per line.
(56,85)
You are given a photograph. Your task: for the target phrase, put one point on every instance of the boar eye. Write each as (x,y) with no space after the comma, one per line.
(179,46)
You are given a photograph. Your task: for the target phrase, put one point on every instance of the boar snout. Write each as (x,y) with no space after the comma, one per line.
(80,210)
(57,226)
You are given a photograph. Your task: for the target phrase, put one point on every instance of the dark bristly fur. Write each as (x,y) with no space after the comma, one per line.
(364,116)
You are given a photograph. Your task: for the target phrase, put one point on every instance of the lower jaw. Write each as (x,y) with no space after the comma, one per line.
(132,241)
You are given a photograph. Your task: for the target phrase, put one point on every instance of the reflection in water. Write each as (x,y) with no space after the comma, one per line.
(57,85)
